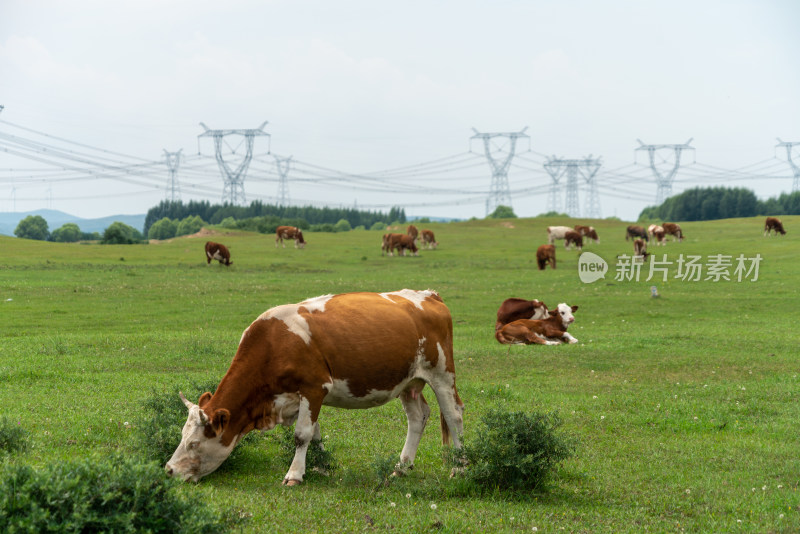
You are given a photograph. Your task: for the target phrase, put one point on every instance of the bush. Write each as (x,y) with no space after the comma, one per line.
(119,233)
(378,226)
(189,225)
(502,212)
(12,436)
(343,225)
(324,227)
(515,451)
(164,228)
(112,494)
(228,222)
(68,233)
(33,227)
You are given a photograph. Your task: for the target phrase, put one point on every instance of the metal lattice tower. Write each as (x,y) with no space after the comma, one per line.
(795,167)
(499,193)
(664,181)
(173,160)
(233,191)
(587,168)
(283,164)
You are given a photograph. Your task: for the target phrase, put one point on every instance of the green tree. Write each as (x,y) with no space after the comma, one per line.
(68,233)
(343,225)
(190,225)
(378,225)
(33,227)
(502,212)
(163,229)
(119,233)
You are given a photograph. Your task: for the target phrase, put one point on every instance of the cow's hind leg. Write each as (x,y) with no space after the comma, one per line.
(417,412)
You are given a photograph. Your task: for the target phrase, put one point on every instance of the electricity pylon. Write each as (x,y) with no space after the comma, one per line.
(173,160)
(233,191)
(795,168)
(664,181)
(587,168)
(283,165)
(499,193)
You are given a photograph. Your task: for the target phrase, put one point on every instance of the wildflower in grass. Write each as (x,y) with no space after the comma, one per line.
(602,417)
(688,491)
(433,506)
(392,504)
(763,488)
(408,495)
(594,396)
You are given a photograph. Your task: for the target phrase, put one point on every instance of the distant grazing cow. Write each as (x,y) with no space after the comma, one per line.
(639,250)
(428,239)
(587,231)
(550,331)
(402,242)
(773,223)
(355,350)
(219,252)
(657,232)
(634,231)
(673,229)
(573,238)
(512,309)
(546,254)
(412,231)
(290,232)
(557,232)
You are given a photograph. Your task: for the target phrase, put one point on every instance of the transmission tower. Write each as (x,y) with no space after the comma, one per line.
(499,192)
(283,165)
(173,160)
(233,191)
(795,167)
(664,181)
(587,168)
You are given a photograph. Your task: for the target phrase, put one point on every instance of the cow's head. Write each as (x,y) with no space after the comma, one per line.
(201,450)
(564,312)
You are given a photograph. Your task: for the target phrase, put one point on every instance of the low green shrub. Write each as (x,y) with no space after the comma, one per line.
(112,494)
(13,437)
(513,450)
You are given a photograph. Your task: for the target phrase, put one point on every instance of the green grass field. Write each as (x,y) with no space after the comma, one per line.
(684,407)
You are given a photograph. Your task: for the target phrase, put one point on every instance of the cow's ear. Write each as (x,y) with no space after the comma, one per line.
(574,308)
(204,398)
(220,420)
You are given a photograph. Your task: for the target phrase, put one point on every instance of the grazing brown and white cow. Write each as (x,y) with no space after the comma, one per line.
(289,232)
(546,254)
(515,308)
(219,252)
(557,232)
(354,350)
(402,242)
(633,231)
(549,331)
(429,240)
(640,250)
(773,223)
(573,238)
(657,232)
(673,229)
(412,231)
(587,231)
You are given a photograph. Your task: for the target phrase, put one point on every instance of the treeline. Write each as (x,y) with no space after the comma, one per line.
(302,216)
(709,203)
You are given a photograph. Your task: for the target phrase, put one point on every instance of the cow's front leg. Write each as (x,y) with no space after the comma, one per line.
(305,429)
(569,338)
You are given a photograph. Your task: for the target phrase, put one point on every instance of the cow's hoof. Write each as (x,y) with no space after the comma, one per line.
(291,482)
(573,340)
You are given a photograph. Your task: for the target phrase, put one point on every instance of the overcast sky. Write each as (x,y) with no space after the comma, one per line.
(367,86)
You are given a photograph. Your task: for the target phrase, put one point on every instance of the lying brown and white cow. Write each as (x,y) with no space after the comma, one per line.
(587,231)
(557,232)
(402,242)
(428,239)
(633,231)
(354,350)
(549,331)
(412,231)
(773,223)
(573,238)
(546,254)
(640,250)
(289,232)
(673,229)
(219,252)
(515,308)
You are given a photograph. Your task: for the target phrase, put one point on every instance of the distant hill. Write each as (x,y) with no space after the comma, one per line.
(56,219)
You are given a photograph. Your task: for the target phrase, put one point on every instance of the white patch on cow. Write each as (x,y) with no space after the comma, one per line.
(217,256)
(557,232)
(565,312)
(569,337)
(296,323)
(197,455)
(317,303)
(303,432)
(416,297)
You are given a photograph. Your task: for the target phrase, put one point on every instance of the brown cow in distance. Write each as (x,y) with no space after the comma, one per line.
(546,254)
(633,231)
(429,240)
(401,242)
(588,232)
(412,231)
(289,232)
(773,223)
(640,250)
(673,229)
(550,331)
(353,350)
(514,308)
(219,252)
(573,238)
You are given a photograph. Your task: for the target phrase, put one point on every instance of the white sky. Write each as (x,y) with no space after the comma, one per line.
(364,86)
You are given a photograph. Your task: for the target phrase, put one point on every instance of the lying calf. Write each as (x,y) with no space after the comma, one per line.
(550,331)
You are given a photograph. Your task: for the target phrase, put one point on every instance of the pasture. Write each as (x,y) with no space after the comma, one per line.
(684,407)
